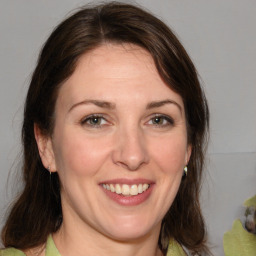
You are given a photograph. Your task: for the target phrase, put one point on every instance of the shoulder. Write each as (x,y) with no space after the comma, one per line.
(11,252)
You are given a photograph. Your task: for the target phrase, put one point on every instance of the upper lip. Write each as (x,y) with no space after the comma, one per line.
(127,181)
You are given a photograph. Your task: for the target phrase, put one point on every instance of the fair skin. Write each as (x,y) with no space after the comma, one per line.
(116,122)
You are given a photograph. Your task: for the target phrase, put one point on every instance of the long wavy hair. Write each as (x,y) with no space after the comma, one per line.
(37,211)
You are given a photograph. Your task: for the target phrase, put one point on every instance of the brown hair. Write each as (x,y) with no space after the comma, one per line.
(37,212)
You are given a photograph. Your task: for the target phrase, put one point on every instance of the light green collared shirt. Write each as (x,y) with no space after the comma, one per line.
(174,249)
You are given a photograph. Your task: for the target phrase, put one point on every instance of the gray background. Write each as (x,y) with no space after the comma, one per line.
(219,35)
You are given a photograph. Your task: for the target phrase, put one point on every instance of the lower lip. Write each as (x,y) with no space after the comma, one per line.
(129,200)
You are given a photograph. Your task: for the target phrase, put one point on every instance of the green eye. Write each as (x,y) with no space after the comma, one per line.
(161,120)
(158,120)
(94,121)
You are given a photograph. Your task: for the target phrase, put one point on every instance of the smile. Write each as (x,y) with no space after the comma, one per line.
(126,190)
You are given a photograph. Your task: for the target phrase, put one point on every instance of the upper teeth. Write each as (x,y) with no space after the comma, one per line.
(125,189)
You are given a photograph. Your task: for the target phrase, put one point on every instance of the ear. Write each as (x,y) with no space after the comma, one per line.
(45,149)
(188,154)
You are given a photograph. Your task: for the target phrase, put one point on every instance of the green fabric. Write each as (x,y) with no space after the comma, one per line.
(174,249)
(51,249)
(11,252)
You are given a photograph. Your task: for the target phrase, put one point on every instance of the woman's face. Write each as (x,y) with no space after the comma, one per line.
(119,143)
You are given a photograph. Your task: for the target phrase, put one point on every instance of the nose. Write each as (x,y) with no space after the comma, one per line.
(131,150)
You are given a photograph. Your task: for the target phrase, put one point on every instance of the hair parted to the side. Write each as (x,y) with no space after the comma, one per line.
(37,212)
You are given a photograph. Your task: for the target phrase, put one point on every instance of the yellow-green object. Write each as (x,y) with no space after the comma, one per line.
(50,250)
(250,202)
(238,241)
(174,249)
(11,252)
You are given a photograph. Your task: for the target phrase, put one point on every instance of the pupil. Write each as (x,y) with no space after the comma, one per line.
(157,120)
(95,120)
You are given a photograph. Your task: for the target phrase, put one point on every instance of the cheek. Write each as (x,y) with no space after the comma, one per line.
(77,155)
(171,154)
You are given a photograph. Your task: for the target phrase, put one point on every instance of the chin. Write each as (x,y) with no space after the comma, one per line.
(133,230)
(129,235)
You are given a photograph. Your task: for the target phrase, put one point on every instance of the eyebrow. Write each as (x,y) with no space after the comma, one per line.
(157,104)
(109,105)
(99,103)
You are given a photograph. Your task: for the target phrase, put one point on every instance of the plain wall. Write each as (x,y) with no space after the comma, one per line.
(220,37)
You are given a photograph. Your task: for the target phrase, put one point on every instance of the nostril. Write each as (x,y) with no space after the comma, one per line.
(130,158)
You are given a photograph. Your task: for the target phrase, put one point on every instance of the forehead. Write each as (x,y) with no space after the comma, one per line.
(114,71)
(118,60)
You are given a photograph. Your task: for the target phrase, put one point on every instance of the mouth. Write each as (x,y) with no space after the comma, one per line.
(128,192)
(125,189)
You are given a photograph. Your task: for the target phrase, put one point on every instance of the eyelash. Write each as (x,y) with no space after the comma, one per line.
(168,119)
(89,118)
(164,118)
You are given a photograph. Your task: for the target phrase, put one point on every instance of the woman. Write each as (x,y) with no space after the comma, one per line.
(114,131)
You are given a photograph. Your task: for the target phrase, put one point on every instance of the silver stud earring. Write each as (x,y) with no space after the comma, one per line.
(185,173)
(186,170)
